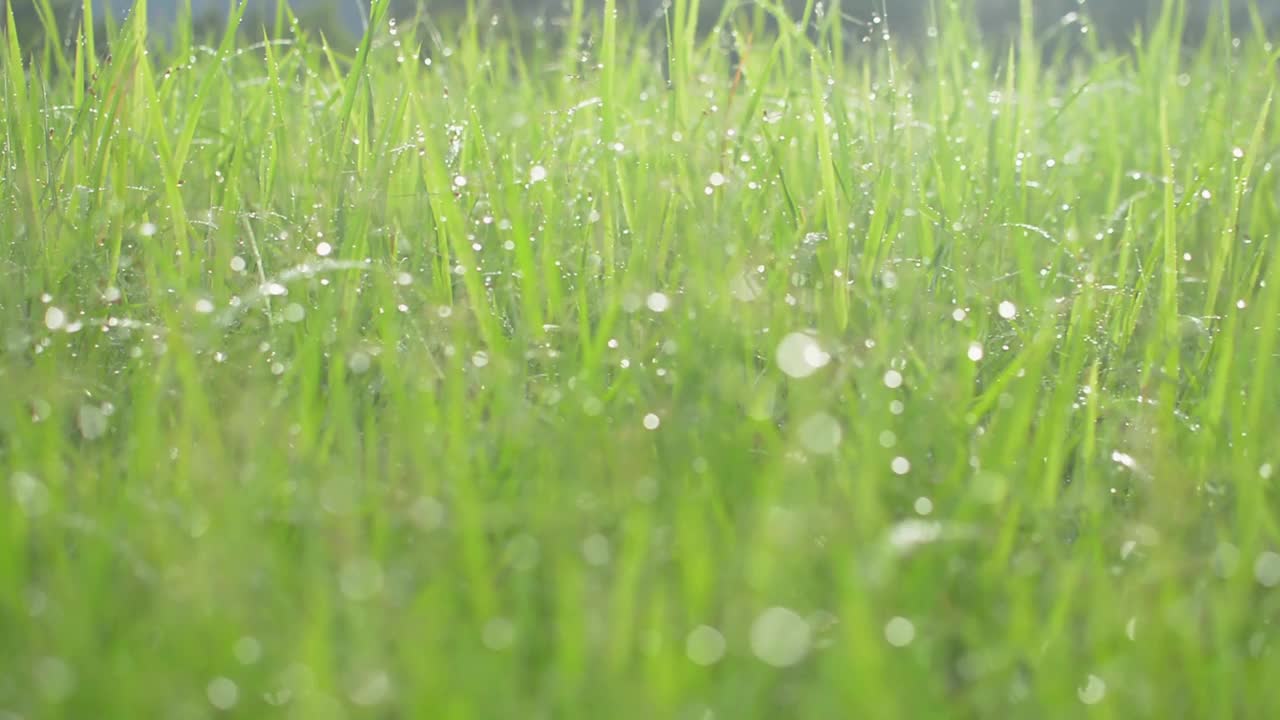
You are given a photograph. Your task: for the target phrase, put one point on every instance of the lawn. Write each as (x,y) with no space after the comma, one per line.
(784,371)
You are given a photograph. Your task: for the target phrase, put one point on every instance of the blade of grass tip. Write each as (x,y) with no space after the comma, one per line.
(357,71)
(449,221)
(214,72)
(53,47)
(88,40)
(1168,308)
(21,108)
(1227,235)
(837,229)
(608,72)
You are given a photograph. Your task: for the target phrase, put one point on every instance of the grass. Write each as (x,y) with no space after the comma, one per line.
(462,376)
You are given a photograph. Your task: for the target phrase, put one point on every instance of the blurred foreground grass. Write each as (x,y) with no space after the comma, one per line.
(634,378)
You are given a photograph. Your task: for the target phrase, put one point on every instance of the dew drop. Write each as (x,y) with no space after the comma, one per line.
(780,637)
(358,362)
(247,650)
(54,679)
(223,693)
(372,688)
(92,422)
(55,318)
(799,355)
(1266,569)
(1093,691)
(360,579)
(745,287)
(704,645)
(31,495)
(595,549)
(427,513)
(899,631)
(820,434)
(499,634)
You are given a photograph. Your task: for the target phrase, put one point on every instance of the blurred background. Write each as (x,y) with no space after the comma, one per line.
(343,20)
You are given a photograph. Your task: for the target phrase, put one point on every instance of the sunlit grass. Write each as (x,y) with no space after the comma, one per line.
(472,374)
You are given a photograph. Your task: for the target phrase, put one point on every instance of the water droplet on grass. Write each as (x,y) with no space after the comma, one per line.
(537,174)
(427,513)
(596,550)
(820,434)
(358,362)
(911,533)
(223,693)
(1007,310)
(704,645)
(1225,559)
(372,688)
(975,352)
(799,355)
(498,634)
(780,637)
(893,379)
(1266,569)
(1093,690)
(652,421)
(31,495)
(54,679)
(247,650)
(900,465)
(92,422)
(745,287)
(657,302)
(360,579)
(55,318)
(899,631)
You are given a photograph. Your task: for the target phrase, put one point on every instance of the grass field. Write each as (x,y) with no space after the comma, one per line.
(455,377)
